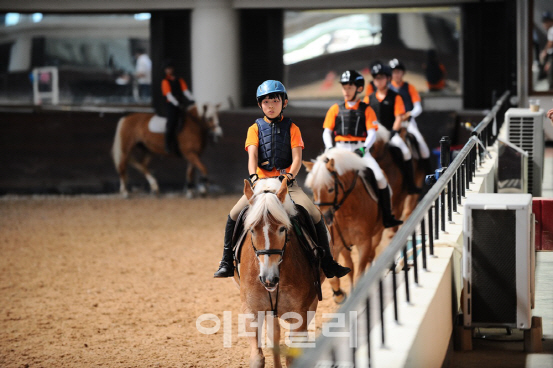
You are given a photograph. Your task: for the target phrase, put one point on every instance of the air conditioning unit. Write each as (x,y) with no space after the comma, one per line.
(498,261)
(511,168)
(525,130)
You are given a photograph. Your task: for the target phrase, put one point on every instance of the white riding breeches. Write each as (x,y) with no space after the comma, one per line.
(400,143)
(423,147)
(369,161)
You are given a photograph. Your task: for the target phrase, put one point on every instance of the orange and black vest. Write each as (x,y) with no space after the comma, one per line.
(351,121)
(176,89)
(384,109)
(275,147)
(405,95)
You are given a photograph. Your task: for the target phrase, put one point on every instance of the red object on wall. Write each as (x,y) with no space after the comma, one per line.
(543,211)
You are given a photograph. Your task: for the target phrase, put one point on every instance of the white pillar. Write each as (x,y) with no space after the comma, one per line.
(215,52)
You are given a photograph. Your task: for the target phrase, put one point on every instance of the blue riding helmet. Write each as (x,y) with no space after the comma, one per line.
(270,86)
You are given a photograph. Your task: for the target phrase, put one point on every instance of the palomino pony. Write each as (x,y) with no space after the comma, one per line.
(133,132)
(352,212)
(274,271)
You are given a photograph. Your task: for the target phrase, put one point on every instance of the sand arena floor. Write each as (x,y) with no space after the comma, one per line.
(108,282)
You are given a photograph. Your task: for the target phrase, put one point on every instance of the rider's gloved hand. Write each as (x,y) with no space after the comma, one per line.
(253,179)
(360,151)
(289,177)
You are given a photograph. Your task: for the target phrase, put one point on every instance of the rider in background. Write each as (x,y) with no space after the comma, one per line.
(413,107)
(178,98)
(434,71)
(353,125)
(370,87)
(274,145)
(389,108)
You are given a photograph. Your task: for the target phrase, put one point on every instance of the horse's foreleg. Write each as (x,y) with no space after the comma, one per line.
(299,336)
(142,166)
(257,360)
(190,181)
(366,256)
(348,262)
(273,333)
(194,160)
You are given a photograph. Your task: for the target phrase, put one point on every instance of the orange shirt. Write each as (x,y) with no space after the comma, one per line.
(252,139)
(369,89)
(415,97)
(399,106)
(330,121)
(166,87)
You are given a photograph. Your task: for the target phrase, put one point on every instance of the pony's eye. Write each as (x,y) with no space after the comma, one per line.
(330,190)
(282,229)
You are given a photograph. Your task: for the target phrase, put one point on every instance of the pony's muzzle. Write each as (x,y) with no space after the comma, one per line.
(270,283)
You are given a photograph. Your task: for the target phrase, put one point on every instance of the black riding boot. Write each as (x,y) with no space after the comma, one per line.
(426,165)
(410,178)
(385,203)
(226,266)
(171,128)
(330,267)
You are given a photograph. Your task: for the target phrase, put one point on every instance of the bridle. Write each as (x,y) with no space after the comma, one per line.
(335,204)
(270,252)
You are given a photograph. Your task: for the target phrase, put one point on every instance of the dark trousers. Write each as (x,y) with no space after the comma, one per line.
(173,114)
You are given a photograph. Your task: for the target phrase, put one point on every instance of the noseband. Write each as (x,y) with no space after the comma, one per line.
(335,204)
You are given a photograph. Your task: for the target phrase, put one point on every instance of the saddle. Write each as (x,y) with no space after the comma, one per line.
(304,229)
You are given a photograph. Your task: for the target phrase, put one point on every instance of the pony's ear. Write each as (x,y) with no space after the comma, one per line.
(283,191)
(248,191)
(308,165)
(218,106)
(205,110)
(330,165)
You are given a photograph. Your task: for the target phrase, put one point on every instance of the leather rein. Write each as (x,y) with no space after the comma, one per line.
(335,205)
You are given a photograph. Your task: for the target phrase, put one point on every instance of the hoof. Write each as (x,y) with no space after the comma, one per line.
(189,194)
(339,296)
(202,190)
(257,362)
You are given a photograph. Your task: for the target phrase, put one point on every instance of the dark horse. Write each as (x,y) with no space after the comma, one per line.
(133,132)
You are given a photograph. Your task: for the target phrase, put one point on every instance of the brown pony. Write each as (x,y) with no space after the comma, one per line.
(133,133)
(351,212)
(402,202)
(274,271)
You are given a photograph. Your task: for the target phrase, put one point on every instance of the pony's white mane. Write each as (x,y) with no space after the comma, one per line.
(383,133)
(344,161)
(266,202)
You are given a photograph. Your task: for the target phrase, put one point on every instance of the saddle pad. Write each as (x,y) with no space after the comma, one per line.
(157,124)
(370,187)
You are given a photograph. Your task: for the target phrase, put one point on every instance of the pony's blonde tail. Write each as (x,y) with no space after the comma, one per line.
(116,149)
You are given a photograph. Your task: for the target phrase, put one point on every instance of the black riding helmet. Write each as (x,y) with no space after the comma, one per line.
(169,63)
(380,68)
(396,64)
(353,77)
